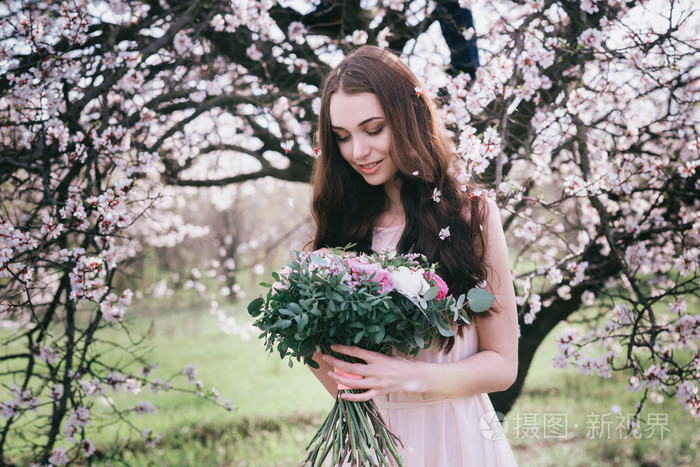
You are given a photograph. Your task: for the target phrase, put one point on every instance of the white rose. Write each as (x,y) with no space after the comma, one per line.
(409,283)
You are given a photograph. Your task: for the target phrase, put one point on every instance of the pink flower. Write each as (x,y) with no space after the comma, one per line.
(282,284)
(360,265)
(434,279)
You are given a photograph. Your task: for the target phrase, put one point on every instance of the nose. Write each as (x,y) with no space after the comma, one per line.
(360,148)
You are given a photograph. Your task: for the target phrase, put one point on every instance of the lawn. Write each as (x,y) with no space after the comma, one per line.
(561,419)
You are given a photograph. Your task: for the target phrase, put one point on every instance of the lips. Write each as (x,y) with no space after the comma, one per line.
(368,169)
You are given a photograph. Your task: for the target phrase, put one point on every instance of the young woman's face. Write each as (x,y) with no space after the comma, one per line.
(363,135)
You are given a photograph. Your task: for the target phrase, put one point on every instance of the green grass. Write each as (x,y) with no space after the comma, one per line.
(277,409)
(586,404)
(259,385)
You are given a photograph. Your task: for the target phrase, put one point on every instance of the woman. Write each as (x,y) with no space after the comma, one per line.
(382,181)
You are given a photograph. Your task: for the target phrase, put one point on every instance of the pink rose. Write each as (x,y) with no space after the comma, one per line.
(361,265)
(437,280)
(383,277)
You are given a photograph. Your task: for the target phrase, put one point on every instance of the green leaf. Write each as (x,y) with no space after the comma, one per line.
(444,327)
(287,312)
(265,284)
(255,306)
(318,260)
(358,336)
(432,293)
(302,321)
(281,324)
(420,342)
(480,300)
(311,362)
(380,335)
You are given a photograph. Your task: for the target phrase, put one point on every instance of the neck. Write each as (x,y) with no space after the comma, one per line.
(394,212)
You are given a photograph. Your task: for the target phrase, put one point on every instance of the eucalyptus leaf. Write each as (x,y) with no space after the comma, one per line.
(281,324)
(432,293)
(318,260)
(480,300)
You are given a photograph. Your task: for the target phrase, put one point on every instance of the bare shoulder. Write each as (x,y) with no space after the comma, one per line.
(492,215)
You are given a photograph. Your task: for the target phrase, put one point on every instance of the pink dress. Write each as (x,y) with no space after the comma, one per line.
(446,432)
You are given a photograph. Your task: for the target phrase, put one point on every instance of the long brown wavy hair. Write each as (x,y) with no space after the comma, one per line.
(346,207)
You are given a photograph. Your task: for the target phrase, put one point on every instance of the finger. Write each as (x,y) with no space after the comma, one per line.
(359,397)
(348,381)
(341,364)
(353,351)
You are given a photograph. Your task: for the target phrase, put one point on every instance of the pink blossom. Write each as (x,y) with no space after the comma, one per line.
(254,53)
(150,439)
(191,373)
(58,457)
(87,448)
(56,392)
(143,408)
(377,274)
(555,276)
(588,298)
(296,32)
(592,38)
(687,394)
(679,306)
(359,37)
(437,280)
(589,6)
(182,43)
(287,146)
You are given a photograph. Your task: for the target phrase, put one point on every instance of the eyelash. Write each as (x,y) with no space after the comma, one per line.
(371,133)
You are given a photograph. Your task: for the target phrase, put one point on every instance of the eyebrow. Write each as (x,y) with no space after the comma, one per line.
(363,122)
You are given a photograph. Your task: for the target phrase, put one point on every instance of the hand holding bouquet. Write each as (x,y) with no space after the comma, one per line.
(380,302)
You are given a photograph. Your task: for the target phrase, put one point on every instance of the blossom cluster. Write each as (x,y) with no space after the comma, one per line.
(588,185)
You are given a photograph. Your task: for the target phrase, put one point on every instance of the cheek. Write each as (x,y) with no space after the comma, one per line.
(386,143)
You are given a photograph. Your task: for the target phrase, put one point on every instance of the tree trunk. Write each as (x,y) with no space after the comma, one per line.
(532,335)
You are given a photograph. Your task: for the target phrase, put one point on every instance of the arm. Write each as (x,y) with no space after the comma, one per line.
(493,368)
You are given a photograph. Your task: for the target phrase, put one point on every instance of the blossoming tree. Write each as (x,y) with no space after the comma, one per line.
(581,120)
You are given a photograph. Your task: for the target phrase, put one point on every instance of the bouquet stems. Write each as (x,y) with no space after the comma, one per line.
(353,433)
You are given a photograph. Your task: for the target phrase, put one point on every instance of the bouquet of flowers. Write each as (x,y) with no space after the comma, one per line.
(379,302)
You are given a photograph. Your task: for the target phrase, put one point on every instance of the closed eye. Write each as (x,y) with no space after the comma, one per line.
(376,132)
(342,139)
